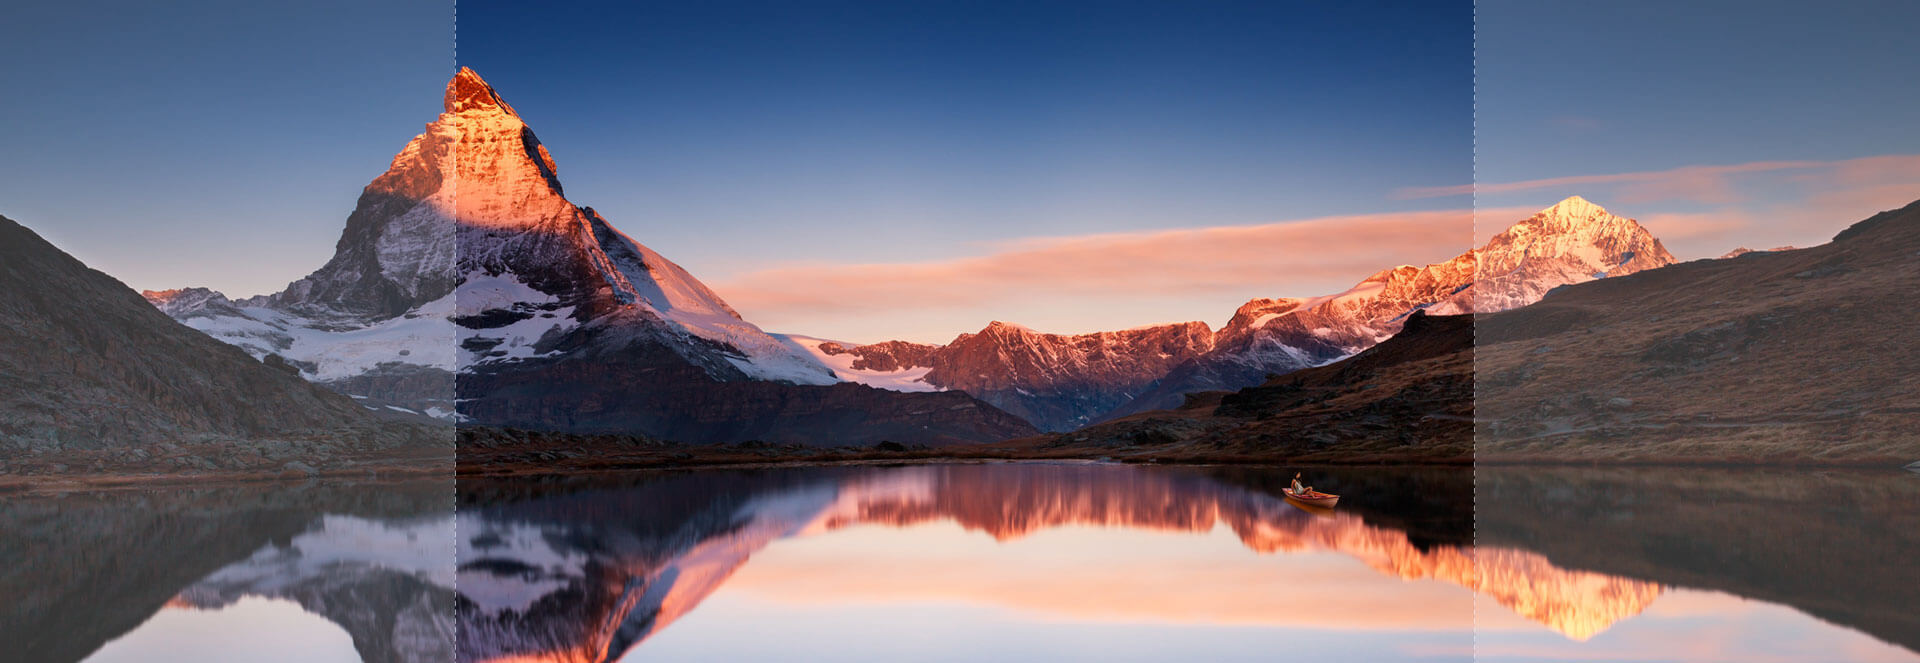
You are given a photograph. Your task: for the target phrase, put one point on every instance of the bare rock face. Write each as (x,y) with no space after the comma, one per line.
(888,357)
(1408,398)
(1064,382)
(465,276)
(568,324)
(1787,357)
(1058,382)
(1572,242)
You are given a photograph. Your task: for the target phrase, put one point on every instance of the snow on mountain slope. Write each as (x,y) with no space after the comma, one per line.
(850,366)
(323,353)
(388,583)
(1055,381)
(465,253)
(501,189)
(1573,241)
(1060,382)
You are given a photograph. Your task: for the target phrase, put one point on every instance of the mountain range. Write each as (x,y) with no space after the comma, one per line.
(1789,356)
(1800,355)
(1061,382)
(466,286)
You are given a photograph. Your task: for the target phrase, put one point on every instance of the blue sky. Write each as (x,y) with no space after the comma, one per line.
(867,152)
(1570,88)
(751,136)
(209,143)
(1786,99)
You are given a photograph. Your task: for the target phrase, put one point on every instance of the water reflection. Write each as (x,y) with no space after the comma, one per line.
(1027,561)
(588,571)
(1771,557)
(172,574)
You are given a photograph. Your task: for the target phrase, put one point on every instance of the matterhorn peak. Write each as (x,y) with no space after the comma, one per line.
(466,91)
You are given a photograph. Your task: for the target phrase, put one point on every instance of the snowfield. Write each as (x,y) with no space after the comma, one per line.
(422,337)
(912,379)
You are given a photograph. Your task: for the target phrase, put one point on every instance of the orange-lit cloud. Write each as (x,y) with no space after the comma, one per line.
(1117,280)
(1290,258)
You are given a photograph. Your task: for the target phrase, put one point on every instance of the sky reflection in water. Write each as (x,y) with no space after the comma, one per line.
(963,563)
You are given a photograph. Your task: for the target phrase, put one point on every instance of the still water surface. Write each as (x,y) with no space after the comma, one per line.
(1026,561)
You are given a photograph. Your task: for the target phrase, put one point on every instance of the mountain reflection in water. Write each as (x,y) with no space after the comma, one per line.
(91,573)
(587,573)
(1007,561)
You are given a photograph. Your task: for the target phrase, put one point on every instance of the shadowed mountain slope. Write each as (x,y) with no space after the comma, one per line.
(1804,355)
(92,373)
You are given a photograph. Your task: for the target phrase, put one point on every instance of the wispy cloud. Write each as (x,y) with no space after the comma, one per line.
(1279,258)
(1702,183)
(1705,210)
(1712,184)
(1114,280)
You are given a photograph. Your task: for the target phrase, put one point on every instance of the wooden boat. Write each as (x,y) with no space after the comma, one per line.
(1311,497)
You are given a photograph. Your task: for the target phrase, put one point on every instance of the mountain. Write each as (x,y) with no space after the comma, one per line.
(1571,242)
(1061,382)
(1407,399)
(1055,381)
(1802,355)
(465,271)
(1790,357)
(90,373)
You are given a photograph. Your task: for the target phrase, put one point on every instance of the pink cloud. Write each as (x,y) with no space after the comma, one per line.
(1116,280)
(1715,225)
(1276,257)
(1756,204)
(1700,183)
(1803,209)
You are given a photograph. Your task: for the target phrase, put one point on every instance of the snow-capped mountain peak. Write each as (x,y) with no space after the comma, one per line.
(466,253)
(1572,241)
(1574,207)
(514,223)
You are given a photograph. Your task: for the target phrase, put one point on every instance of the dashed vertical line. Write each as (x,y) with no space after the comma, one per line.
(1473,334)
(453,429)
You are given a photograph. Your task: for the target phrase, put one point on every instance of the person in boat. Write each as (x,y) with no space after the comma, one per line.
(1299,489)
